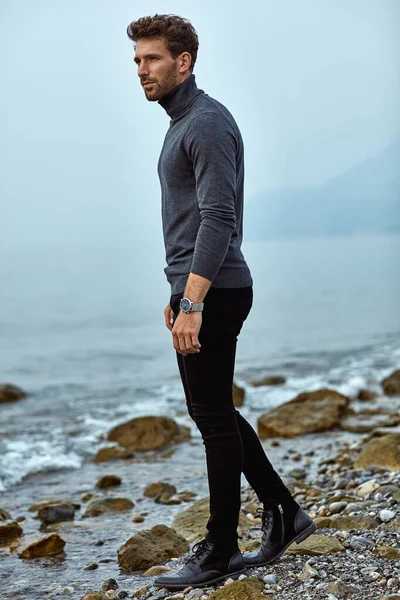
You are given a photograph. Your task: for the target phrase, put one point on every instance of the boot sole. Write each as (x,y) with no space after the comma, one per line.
(183,586)
(299,538)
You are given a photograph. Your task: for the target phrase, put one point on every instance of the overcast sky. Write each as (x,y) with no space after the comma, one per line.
(314,86)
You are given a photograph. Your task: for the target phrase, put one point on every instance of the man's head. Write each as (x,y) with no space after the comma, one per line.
(165,52)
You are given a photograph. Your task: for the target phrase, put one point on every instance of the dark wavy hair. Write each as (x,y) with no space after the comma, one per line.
(178,33)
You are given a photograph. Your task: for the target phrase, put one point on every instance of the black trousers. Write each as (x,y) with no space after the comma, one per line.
(231,444)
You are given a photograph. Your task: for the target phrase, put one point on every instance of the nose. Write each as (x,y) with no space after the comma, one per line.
(143,69)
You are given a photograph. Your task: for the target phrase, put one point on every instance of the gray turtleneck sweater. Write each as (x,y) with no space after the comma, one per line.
(201,174)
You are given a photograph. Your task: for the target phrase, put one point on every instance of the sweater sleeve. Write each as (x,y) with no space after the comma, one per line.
(212,150)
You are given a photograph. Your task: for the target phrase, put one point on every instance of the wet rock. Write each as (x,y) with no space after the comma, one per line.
(54,513)
(316,545)
(341,589)
(108,481)
(380,451)
(307,573)
(36,507)
(337,507)
(366,395)
(360,542)
(271,380)
(391,384)
(92,595)
(4,515)
(157,570)
(91,567)
(111,453)
(306,413)
(108,584)
(364,423)
(148,433)
(142,591)
(151,546)
(159,488)
(297,473)
(387,552)
(108,505)
(10,393)
(33,546)
(137,519)
(248,589)
(9,530)
(191,522)
(238,395)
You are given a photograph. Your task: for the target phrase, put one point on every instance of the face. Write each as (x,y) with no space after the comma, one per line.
(158,72)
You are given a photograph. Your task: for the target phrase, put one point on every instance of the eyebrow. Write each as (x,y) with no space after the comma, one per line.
(151,55)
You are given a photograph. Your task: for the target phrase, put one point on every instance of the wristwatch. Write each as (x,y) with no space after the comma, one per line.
(188,306)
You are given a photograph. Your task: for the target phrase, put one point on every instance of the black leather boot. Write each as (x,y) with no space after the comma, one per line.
(206,566)
(279,528)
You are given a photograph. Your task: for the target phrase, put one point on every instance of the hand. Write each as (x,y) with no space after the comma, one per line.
(169,316)
(185,332)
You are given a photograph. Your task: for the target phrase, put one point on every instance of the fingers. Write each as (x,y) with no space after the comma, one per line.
(169,317)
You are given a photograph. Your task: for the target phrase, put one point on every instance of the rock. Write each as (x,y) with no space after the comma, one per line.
(363,423)
(108,505)
(54,513)
(341,589)
(367,488)
(91,567)
(108,584)
(191,522)
(157,570)
(337,507)
(4,515)
(271,380)
(248,589)
(9,530)
(393,525)
(307,573)
(151,546)
(386,515)
(306,413)
(108,481)
(347,523)
(111,453)
(316,545)
(91,595)
(110,595)
(10,393)
(52,501)
(391,384)
(298,473)
(156,489)
(137,519)
(148,433)
(33,546)
(142,591)
(380,451)
(366,395)
(387,552)
(238,395)
(270,579)
(360,542)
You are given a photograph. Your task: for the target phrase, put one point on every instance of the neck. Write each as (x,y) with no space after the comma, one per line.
(178,99)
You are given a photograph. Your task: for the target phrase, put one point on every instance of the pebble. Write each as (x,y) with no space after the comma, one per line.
(270,578)
(386,515)
(337,507)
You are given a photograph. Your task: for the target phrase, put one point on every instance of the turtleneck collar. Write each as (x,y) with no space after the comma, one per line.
(180,97)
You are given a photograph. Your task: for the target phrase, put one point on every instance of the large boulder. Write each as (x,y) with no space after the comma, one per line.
(269,380)
(34,546)
(9,530)
(316,545)
(108,505)
(248,589)
(308,412)
(238,395)
(191,523)
(10,393)
(382,452)
(391,384)
(151,547)
(55,513)
(111,453)
(148,433)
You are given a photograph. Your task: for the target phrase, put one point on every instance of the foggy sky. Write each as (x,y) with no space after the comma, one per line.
(314,87)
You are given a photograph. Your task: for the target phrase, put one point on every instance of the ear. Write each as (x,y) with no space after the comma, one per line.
(185,60)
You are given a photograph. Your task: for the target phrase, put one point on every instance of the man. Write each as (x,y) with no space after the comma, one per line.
(201,175)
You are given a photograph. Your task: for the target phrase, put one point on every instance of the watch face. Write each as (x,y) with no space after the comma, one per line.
(185,305)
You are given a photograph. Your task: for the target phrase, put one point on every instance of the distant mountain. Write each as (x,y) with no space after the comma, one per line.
(365,198)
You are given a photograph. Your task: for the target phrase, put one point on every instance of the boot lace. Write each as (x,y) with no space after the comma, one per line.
(198,549)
